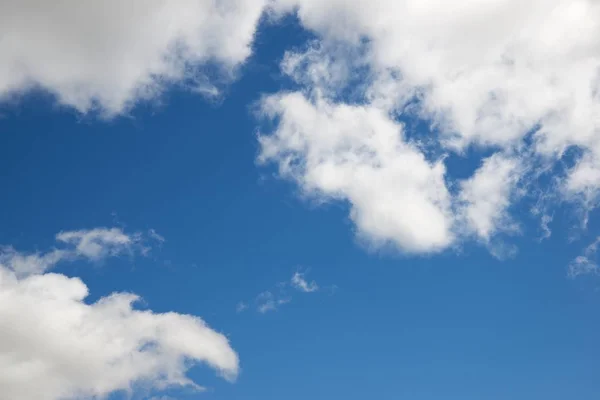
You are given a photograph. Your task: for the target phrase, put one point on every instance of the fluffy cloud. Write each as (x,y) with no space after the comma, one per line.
(518,80)
(357,154)
(77,350)
(486,72)
(109,55)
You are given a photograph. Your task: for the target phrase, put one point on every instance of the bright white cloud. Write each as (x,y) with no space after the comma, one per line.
(519,79)
(111,54)
(300,283)
(71,349)
(357,154)
(487,71)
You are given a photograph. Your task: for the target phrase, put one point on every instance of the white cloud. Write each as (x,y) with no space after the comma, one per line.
(93,245)
(98,243)
(156,236)
(487,196)
(299,282)
(112,54)
(585,263)
(272,299)
(267,301)
(34,263)
(488,71)
(357,154)
(582,265)
(545,222)
(71,349)
(241,307)
(521,80)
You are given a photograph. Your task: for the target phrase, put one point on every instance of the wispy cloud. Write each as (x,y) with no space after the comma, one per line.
(585,264)
(156,236)
(267,301)
(241,307)
(300,283)
(278,295)
(92,245)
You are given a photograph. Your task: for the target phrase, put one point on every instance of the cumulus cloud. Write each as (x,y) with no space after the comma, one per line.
(72,349)
(357,154)
(109,55)
(520,81)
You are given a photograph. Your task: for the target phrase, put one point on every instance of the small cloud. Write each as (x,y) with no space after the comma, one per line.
(156,236)
(545,222)
(267,301)
(98,243)
(333,289)
(272,299)
(583,264)
(93,245)
(241,307)
(300,283)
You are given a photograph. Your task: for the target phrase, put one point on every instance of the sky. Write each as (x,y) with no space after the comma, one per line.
(292,199)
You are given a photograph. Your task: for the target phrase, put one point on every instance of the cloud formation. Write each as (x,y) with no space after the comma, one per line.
(71,349)
(518,83)
(109,55)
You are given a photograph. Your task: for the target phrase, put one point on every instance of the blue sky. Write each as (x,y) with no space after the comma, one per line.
(420,273)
